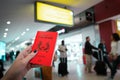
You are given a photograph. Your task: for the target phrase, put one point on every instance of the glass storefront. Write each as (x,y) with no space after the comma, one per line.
(2,50)
(74,46)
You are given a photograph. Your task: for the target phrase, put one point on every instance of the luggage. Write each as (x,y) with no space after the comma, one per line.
(62,69)
(95,54)
(100,66)
(84,59)
(1,69)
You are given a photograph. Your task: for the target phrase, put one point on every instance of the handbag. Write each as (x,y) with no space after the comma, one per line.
(110,57)
(55,58)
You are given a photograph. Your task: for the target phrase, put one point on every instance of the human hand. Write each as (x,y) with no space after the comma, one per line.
(115,57)
(21,65)
(99,49)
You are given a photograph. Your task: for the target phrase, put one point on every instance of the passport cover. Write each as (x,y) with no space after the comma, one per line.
(44,44)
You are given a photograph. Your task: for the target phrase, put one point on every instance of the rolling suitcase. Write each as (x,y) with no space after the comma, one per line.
(100,66)
(61,69)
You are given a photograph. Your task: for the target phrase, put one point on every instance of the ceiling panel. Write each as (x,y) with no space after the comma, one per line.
(21,15)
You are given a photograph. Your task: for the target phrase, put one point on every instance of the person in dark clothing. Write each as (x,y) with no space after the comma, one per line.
(11,55)
(63,59)
(89,52)
(1,68)
(17,53)
(7,56)
(104,53)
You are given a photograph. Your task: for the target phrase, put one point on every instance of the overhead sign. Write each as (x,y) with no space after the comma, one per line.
(66,2)
(52,14)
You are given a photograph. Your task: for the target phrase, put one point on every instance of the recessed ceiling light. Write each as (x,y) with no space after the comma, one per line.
(12,48)
(17,46)
(5,33)
(27,29)
(9,45)
(5,36)
(23,33)
(17,38)
(61,31)
(6,29)
(8,22)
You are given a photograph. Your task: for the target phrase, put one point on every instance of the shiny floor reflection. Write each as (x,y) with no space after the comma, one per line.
(76,72)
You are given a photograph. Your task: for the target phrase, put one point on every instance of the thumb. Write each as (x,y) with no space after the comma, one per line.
(30,56)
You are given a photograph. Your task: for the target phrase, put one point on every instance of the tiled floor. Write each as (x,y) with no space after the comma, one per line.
(76,72)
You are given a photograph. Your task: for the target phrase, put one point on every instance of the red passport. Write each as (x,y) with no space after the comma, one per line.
(44,44)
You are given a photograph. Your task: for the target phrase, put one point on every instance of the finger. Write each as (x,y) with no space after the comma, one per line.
(26,51)
(29,57)
(33,66)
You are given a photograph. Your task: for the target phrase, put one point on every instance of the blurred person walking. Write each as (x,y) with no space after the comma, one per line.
(11,55)
(62,68)
(89,52)
(17,53)
(1,68)
(104,53)
(7,56)
(115,54)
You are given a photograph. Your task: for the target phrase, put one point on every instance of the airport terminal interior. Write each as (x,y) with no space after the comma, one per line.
(72,21)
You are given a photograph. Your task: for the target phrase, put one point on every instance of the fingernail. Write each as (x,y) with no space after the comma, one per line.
(35,51)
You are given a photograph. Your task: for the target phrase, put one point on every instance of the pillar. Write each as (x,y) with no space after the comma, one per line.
(106,30)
